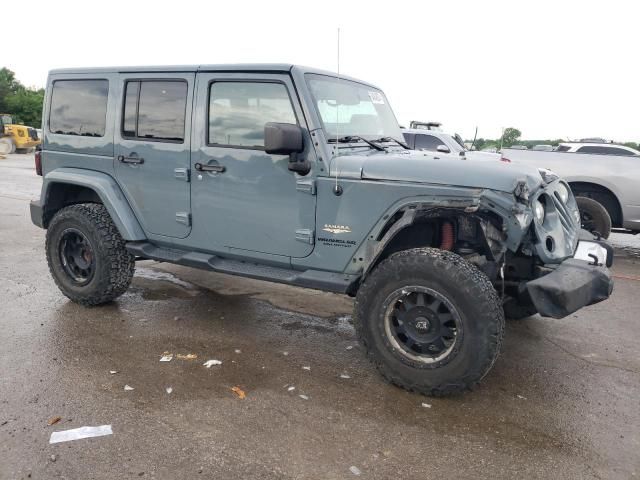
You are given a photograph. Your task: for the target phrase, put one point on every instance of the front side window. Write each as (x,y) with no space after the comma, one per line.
(238,112)
(563,148)
(428,142)
(155,110)
(79,107)
(348,108)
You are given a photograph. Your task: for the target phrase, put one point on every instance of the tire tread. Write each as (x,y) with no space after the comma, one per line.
(120,264)
(473,283)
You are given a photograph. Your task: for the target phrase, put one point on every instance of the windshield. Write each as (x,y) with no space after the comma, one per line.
(7,120)
(348,108)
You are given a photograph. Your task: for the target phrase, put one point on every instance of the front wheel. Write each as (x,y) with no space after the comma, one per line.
(86,254)
(430,321)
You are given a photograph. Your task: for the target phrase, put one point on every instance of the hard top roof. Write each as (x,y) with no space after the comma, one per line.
(230,67)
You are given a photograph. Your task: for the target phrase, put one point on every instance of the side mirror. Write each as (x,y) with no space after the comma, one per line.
(443,149)
(282,138)
(286,139)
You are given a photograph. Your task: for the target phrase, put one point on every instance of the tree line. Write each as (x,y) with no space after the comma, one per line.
(24,104)
(511,136)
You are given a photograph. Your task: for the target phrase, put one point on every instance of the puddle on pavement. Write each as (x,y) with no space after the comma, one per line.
(155,285)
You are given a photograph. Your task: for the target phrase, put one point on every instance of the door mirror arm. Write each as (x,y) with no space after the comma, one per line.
(298,163)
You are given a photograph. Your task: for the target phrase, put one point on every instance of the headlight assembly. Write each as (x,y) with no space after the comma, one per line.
(538,211)
(576,216)
(563,192)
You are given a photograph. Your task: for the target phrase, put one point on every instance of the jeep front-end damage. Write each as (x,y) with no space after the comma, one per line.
(501,239)
(470,227)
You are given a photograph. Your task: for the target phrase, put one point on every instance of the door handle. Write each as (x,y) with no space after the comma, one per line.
(210,168)
(131,160)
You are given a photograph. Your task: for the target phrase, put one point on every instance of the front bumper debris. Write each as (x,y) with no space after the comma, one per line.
(572,285)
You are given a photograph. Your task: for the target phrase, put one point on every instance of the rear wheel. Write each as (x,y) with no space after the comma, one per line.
(86,255)
(430,321)
(6,145)
(594,216)
(12,145)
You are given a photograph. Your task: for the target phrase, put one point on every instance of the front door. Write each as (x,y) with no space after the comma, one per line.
(253,202)
(153,150)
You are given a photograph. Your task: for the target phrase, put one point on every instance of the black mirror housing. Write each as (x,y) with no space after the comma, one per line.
(282,138)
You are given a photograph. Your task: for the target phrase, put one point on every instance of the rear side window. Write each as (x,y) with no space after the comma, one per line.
(239,110)
(428,142)
(79,107)
(155,110)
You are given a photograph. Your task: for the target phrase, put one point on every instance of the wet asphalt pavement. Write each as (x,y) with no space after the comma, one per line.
(563,400)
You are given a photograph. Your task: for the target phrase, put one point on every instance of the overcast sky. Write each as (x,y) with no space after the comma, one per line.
(550,68)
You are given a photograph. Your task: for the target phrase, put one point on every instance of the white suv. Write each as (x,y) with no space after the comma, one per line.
(443,144)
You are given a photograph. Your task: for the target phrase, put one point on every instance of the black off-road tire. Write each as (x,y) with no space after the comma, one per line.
(469,291)
(513,311)
(594,216)
(114,265)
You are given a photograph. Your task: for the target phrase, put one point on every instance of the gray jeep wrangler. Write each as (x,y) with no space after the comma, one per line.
(294,175)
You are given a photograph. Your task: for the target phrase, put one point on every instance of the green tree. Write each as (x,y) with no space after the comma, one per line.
(480,143)
(510,136)
(24,104)
(8,86)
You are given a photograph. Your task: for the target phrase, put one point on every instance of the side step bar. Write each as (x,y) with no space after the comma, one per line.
(327,281)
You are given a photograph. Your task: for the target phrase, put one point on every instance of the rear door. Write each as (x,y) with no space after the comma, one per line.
(152,153)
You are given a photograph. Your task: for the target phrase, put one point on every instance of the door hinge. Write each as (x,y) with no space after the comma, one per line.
(305,235)
(181,174)
(306,185)
(184,218)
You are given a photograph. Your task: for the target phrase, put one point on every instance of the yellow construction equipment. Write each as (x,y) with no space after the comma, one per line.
(18,138)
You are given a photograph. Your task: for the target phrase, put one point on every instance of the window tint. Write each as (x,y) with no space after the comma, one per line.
(239,110)
(79,107)
(428,142)
(563,148)
(155,110)
(604,150)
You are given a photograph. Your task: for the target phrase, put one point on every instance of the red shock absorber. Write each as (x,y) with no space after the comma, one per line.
(447,236)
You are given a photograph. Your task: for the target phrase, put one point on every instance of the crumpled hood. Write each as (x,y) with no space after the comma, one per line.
(422,167)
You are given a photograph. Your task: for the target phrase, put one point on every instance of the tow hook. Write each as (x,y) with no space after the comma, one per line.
(595,260)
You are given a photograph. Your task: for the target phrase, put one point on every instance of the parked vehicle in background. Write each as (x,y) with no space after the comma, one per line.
(597,148)
(416,124)
(605,178)
(294,175)
(22,139)
(443,144)
(543,148)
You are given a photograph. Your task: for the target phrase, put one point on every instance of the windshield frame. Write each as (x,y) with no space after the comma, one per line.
(329,135)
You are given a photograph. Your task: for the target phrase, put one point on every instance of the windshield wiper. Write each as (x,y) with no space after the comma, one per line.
(355,138)
(391,139)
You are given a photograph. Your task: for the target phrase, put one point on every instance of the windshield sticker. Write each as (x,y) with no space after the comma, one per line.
(376,97)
